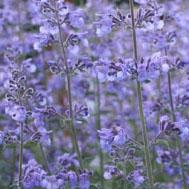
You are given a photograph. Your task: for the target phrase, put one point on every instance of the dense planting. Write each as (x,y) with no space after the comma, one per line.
(94,95)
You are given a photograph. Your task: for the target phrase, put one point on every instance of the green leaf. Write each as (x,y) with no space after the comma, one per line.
(36,150)
(162,142)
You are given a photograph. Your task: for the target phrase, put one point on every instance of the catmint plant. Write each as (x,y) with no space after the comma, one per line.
(94,94)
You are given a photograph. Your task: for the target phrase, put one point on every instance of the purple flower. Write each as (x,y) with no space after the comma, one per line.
(33,175)
(73,180)
(136,177)
(18,113)
(10,137)
(42,41)
(84,182)
(141,1)
(1,137)
(68,160)
(50,182)
(184,133)
(39,119)
(113,136)
(76,19)
(111,171)
(104,26)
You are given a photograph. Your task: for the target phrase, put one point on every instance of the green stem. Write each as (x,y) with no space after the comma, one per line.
(140,104)
(13,165)
(21,124)
(145,137)
(73,131)
(98,126)
(171,96)
(113,184)
(45,161)
(159,92)
(21,155)
(124,181)
(82,2)
(178,143)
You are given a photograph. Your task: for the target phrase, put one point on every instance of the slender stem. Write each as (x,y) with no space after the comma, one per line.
(113,184)
(135,142)
(98,126)
(171,96)
(134,38)
(124,184)
(13,165)
(159,92)
(181,164)
(140,104)
(145,137)
(45,161)
(21,155)
(178,143)
(20,102)
(82,2)
(74,137)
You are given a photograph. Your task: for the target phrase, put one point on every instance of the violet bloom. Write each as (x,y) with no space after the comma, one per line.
(39,119)
(111,171)
(18,113)
(84,182)
(104,26)
(142,2)
(67,160)
(51,182)
(184,130)
(113,136)
(137,177)
(10,136)
(33,175)
(1,137)
(43,40)
(76,19)
(73,180)
(185,133)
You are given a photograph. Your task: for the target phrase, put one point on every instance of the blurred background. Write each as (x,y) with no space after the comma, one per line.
(79,2)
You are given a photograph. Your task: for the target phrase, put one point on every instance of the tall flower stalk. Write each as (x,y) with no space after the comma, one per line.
(21,123)
(140,104)
(45,161)
(68,78)
(98,126)
(21,155)
(177,140)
